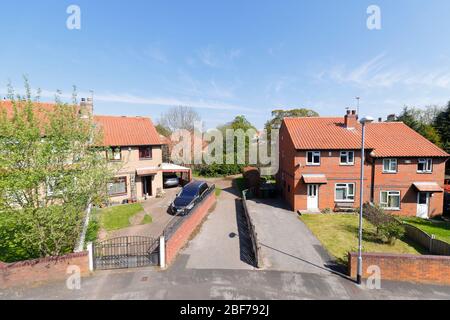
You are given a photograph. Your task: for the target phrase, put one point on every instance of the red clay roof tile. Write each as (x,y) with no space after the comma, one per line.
(117,131)
(387,139)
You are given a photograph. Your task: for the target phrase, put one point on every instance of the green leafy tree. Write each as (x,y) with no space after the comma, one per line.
(416,120)
(442,125)
(213,170)
(49,172)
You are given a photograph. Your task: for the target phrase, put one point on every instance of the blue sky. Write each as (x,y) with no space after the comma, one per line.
(228,57)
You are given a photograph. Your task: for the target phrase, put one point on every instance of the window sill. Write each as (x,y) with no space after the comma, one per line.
(313,164)
(390,172)
(391,209)
(346,164)
(143,159)
(118,194)
(344,201)
(424,172)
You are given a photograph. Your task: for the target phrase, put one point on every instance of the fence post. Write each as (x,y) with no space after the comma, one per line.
(90,248)
(162,252)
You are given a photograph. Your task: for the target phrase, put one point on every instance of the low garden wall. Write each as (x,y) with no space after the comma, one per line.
(39,270)
(181,235)
(404,267)
(252,231)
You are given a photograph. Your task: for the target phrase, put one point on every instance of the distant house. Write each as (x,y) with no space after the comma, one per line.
(320,166)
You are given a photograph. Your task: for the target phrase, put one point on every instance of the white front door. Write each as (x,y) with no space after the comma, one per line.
(313,197)
(423,201)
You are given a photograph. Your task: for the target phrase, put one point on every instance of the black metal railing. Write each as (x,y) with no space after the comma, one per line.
(126,252)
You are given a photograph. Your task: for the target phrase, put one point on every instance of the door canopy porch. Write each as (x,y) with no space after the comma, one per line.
(314,179)
(427,187)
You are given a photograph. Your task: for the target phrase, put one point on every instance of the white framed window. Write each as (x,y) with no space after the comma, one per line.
(313,158)
(390,165)
(390,200)
(347,158)
(344,192)
(425,165)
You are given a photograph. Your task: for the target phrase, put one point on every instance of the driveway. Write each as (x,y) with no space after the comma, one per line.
(157,209)
(223,241)
(286,243)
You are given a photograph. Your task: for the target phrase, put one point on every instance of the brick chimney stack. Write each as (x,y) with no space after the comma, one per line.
(351,119)
(86,108)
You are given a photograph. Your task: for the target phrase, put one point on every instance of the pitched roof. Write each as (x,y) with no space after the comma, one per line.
(127,131)
(387,139)
(116,130)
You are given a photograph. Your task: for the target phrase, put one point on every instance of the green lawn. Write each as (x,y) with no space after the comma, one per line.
(440,228)
(339,235)
(147,219)
(118,217)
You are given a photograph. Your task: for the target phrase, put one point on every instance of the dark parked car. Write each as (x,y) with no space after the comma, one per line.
(171,180)
(188,197)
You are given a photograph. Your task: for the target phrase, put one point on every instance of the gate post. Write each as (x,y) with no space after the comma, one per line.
(90,249)
(162,252)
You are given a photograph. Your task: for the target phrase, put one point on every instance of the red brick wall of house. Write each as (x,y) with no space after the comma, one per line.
(294,191)
(411,268)
(181,236)
(285,176)
(41,270)
(402,181)
(335,173)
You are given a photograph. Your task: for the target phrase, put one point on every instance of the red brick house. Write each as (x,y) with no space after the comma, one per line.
(320,162)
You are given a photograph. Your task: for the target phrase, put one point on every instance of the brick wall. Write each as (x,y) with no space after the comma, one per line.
(179,239)
(402,181)
(41,270)
(403,267)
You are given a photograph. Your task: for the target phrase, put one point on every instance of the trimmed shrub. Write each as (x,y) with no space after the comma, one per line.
(388,228)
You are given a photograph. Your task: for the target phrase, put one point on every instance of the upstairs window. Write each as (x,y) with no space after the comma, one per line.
(390,200)
(425,166)
(347,158)
(114,154)
(145,153)
(313,158)
(390,165)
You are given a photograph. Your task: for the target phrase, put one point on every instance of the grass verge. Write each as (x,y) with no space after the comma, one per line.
(439,228)
(339,235)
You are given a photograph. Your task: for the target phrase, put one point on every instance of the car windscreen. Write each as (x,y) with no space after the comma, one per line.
(189,192)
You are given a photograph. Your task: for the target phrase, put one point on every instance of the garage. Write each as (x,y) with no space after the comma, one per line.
(172,172)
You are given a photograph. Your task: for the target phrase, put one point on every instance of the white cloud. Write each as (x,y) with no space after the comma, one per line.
(217,58)
(127,98)
(380,72)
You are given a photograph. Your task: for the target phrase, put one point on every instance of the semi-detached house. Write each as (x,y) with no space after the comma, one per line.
(320,162)
(134,151)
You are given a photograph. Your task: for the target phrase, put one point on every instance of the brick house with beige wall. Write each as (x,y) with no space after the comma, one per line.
(320,162)
(136,149)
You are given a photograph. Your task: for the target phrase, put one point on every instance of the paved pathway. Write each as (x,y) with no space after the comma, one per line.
(222,242)
(286,243)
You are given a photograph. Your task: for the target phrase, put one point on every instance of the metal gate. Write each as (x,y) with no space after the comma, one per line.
(126,252)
